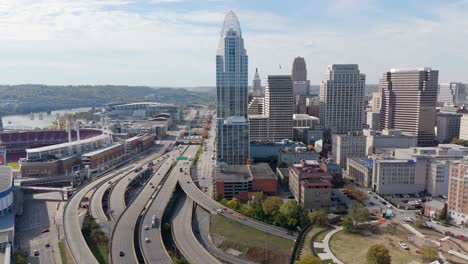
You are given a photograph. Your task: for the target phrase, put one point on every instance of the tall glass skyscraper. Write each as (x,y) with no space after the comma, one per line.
(232,134)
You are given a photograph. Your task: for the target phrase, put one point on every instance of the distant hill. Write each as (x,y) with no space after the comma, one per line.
(35,97)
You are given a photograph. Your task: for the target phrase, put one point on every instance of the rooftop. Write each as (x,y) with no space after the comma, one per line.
(435,204)
(67,144)
(6,178)
(240,173)
(92,153)
(315,182)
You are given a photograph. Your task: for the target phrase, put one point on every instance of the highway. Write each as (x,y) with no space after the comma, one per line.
(155,251)
(184,237)
(95,207)
(71,224)
(123,232)
(72,227)
(117,195)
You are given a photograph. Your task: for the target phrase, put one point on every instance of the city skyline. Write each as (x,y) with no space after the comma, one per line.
(145,42)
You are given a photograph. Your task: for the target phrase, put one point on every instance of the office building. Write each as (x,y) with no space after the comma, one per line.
(303,120)
(409,99)
(452,94)
(448,126)
(276,121)
(464,127)
(387,138)
(373,119)
(232,133)
(349,145)
(310,185)
(313,105)
(308,135)
(301,86)
(359,170)
(279,106)
(375,102)
(342,99)
(458,193)
(257,84)
(255,106)
(301,103)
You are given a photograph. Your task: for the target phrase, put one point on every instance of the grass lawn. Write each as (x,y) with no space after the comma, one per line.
(328,261)
(352,248)
(306,247)
(64,254)
(14,165)
(321,236)
(96,240)
(319,250)
(254,244)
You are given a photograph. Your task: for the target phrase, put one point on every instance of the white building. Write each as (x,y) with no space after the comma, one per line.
(350,145)
(376,100)
(342,98)
(464,127)
(448,126)
(304,120)
(388,138)
(409,168)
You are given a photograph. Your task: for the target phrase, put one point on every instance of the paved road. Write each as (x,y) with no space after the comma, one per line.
(183,235)
(155,251)
(96,208)
(201,226)
(72,227)
(123,233)
(204,172)
(117,196)
(212,206)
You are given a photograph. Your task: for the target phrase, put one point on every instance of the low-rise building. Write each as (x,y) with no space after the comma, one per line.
(433,208)
(350,145)
(464,127)
(394,176)
(388,138)
(458,193)
(310,185)
(308,135)
(360,171)
(240,180)
(289,156)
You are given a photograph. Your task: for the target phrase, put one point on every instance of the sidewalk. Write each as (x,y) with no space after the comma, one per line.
(413,230)
(326,247)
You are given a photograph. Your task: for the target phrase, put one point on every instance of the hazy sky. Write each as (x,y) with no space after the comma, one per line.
(173,42)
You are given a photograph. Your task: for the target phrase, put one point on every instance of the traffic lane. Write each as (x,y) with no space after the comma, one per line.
(126,224)
(122,237)
(184,237)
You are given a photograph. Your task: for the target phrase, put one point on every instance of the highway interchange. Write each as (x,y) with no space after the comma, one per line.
(134,220)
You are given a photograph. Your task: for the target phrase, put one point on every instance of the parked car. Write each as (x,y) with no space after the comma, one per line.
(36,252)
(409,219)
(448,233)
(462,237)
(121,253)
(403,245)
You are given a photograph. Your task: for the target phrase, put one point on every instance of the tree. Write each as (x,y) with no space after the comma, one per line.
(318,218)
(257,206)
(295,214)
(309,259)
(234,204)
(420,223)
(19,257)
(378,254)
(348,224)
(442,216)
(246,210)
(359,214)
(429,253)
(461,142)
(271,205)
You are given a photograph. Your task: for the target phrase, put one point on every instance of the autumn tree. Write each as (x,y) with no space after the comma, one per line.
(378,254)
(234,204)
(271,205)
(359,214)
(318,218)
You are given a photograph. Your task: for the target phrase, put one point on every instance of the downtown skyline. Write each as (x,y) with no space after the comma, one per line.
(152,42)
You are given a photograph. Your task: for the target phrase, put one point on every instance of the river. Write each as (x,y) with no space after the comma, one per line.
(25,120)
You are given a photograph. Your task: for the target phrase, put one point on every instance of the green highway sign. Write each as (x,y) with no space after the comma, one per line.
(182,158)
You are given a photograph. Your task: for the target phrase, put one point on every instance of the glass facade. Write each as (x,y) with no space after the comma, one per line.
(231,91)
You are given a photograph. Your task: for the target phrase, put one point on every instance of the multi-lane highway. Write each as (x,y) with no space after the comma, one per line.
(155,251)
(122,242)
(184,237)
(71,223)
(96,208)
(117,196)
